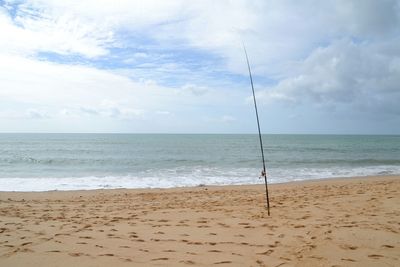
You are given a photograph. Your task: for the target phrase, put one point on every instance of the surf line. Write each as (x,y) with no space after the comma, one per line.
(263,173)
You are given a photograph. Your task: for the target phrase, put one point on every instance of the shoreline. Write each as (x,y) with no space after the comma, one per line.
(314,180)
(325,222)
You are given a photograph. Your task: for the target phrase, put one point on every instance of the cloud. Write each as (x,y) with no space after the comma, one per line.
(277,33)
(88,96)
(194,89)
(70,59)
(112,111)
(369,18)
(72,90)
(21,114)
(228,119)
(37,114)
(33,30)
(163,112)
(365,76)
(223,119)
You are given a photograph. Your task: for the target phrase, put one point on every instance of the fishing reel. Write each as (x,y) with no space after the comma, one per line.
(263,174)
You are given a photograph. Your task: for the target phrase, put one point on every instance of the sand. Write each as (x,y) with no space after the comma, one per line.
(340,222)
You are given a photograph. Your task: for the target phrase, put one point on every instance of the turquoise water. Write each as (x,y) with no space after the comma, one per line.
(32,162)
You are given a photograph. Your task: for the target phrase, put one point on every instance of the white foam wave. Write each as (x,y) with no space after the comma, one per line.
(184,178)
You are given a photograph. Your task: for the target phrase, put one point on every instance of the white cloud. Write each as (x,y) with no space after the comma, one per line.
(218,120)
(21,114)
(276,32)
(228,119)
(73,90)
(194,89)
(41,82)
(320,52)
(163,112)
(37,114)
(365,76)
(33,31)
(369,18)
(70,93)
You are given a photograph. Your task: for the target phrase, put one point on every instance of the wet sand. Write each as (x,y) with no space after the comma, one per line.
(335,222)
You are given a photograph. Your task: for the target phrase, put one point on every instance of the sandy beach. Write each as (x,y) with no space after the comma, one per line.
(335,222)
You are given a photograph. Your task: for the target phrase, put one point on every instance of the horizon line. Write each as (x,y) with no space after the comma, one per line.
(204,133)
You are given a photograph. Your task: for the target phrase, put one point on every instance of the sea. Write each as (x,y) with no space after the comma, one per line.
(42,162)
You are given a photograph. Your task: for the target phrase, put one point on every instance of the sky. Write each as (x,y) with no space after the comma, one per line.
(176,66)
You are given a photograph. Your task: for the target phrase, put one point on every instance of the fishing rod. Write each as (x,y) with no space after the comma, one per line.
(263,173)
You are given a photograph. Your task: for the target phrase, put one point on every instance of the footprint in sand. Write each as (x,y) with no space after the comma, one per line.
(348,259)
(351,247)
(195,243)
(222,262)
(75,254)
(160,259)
(274,245)
(261,263)
(375,256)
(268,252)
(24,250)
(316,257)
(86,237)
(188,262)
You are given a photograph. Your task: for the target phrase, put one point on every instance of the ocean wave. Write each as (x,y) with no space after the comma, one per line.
(359,162)
(184,177)
(65,161)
